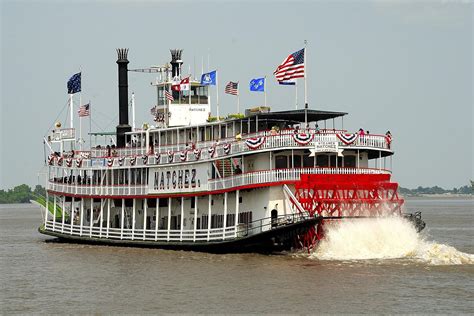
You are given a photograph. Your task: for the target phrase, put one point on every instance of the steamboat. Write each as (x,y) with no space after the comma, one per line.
(261,182)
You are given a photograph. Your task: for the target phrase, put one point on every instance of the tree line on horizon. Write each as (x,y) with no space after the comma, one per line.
(23,193)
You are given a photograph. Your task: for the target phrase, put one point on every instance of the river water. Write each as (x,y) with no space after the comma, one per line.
(361,268)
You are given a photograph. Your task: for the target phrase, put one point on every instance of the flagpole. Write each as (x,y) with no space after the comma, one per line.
(90,125)
(238,98)
(71,118)
(296,94)
(80,122)
(265,89)
(133,111)
(217,95)
(305,85)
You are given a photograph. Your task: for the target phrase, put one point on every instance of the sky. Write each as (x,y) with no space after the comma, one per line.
(403,66)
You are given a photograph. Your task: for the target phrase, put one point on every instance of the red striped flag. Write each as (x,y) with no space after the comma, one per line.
(232,88)
(168,96)
(84,110)
(292,67)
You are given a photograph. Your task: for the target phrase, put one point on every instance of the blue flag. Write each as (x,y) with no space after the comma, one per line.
(291,82)
(257,84)
(74,84)
(209,79)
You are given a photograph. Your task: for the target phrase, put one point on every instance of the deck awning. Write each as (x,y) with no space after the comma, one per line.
(299,115)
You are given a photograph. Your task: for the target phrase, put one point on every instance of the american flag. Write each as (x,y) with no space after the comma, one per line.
(232,88)
(168,96)
(153,111)
(84,110)
(292,67)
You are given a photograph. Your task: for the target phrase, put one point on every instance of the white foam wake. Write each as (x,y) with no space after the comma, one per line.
(383,238)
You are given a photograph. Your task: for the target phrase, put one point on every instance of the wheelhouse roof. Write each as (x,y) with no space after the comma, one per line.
(292,117)
(299,115)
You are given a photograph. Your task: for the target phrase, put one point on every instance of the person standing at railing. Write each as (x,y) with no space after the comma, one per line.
(388,138)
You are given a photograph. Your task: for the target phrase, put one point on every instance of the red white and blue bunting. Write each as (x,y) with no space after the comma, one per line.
(68,162)
(157,157)
(197,153)
(227,148)
(170,156)
(303,139)
(60,161)
(183,155)
(145,159)
(133,160)
(347,138)
(120,160)
(212,151)
(254,143)
(51,159)
(78,162)
(110,162)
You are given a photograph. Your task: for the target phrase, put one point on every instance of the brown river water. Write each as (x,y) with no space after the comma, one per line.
(376,267)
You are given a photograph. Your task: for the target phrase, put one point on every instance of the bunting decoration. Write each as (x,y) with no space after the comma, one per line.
(145,159)
(78,162)
(347,138)
(133,160)
(212,151)
(227,148)
(197,153)
(60,161)
(254,143)
(69,162)
(120,160)
(110,162)
(170,156)
(157,157)
(303,139)
(183,155)
(50,159)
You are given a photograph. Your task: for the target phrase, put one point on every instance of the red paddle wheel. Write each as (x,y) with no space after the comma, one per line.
(345,196)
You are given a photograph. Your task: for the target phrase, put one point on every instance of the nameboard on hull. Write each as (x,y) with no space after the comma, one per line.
(182,179)
(326,147)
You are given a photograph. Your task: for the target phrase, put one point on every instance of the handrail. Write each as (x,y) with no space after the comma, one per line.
(284,175)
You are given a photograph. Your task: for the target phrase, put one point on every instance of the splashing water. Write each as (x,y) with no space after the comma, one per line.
(383,238)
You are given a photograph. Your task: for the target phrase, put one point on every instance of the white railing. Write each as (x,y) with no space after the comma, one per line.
(244,179)
(94,190)
(283,139)
(213,234)
(282,175)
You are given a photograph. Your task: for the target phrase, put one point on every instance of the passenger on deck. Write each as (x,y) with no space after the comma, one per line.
(317,128)
(237,170)
(361,132)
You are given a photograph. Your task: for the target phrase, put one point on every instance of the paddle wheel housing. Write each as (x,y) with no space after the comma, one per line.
(346,196)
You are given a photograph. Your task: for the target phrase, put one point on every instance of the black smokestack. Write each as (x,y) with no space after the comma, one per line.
(123,126)
(176,62)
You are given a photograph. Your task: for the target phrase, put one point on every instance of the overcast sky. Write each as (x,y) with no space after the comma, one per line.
(400,66)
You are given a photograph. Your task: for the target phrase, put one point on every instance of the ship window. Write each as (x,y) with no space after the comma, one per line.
(281,162)
(350,161)
(193,202)
(308,161)
(240,199)
(230,220)
(322,161)
(163,202)
(297,161)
